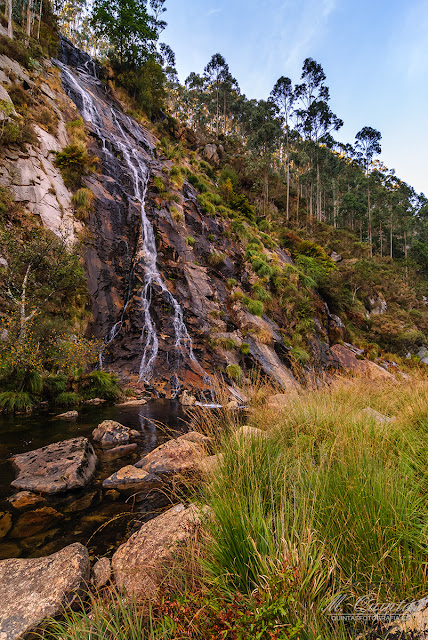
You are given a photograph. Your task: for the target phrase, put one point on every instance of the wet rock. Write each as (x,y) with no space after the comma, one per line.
(5,523)
(32,522)
(101,572)
(186,399)
(112,494)
(9,549)
(266,357)
(132,403)
(68,415)
(34,589)
(120,452)
(81,503)
(110,433)
(25,500)
(342,358)
(95,401)
(336,329)
(173,458)
(131,478)
(58,467)
(33,542)
(140,563)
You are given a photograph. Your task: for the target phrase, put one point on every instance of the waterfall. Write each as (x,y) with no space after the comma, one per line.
(120,136)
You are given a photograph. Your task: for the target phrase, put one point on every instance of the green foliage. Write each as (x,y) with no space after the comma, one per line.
(191,241)
(16,401)
(254,306)
(260,292)
(231,282)
(176,176)
(207,207)
(74,162)
(100,384)
(228,344)
(82,201)
(54,385)
(176,214)
(216,259)
(300,354)
(234,372)
(67,399)
(198,182)
(245,349)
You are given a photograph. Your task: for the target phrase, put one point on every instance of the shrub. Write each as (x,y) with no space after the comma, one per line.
(176,214)
(231,282)
(82,201)
(300,354)
(245,349)
(228,344)
(176,176)
(74,163)
(67,399)
(234,372)
(100,384)
(206,206)
(216,259)
(211,237)
(13,401)
(254,306)
(260,292)
(54,385)
(191,241)
(76,131)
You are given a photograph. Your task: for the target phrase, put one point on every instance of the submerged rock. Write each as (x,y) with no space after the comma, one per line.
(139,565)
(119,452)
(58,467)
(5,523)
(34,589)
(25,500)
(32,522)
(68,415)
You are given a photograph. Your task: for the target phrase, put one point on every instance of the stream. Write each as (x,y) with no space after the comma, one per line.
(99,519)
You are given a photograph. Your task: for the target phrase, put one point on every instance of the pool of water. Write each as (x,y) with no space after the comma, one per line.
(99,519)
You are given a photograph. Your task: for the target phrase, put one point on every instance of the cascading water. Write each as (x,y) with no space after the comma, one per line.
(120,136)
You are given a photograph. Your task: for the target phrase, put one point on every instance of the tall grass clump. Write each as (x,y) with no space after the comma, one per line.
(328,492)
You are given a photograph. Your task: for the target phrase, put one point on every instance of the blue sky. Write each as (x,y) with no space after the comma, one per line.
(375,56)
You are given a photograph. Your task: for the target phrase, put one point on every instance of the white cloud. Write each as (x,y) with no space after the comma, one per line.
(212,12)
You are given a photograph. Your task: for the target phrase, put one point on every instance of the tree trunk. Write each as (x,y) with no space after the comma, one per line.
(318,194)
(40,19)
(288,180)
(9,19)
(405,257)
(381,239)
(298,198)
(369,221)
(390,238)
(29,16)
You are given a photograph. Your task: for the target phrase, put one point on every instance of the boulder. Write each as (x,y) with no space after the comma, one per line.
(139,564)
(210,152)
(82,503)
(34,589)
(343,358)
(25,500)
(211,464)
(58,467)
(32,522)
(197,438)
(173,458)
(110,433)
(246,432)
(376,415)
(101,572)
(131,478)
(95,401)
(132,403)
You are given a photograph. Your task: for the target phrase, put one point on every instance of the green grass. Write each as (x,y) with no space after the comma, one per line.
(234,372)
(328,493)
(67,399)
(13,401)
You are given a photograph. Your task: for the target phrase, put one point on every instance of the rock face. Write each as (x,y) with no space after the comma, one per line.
(139,564)
(34,589)
(101,572)
(110,433)
(25,500)
(57,467)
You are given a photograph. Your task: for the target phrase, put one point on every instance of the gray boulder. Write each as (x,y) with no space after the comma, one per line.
(34,589)
(111,433)
(58,467)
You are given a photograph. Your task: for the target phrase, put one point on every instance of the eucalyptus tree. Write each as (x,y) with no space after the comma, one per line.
(282,95)
(216,73)
(315,120)
(367,145)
